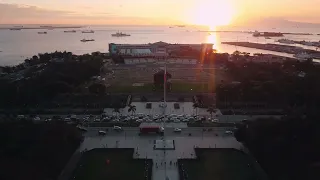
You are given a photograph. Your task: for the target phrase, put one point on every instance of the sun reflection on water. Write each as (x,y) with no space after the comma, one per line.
(213,37)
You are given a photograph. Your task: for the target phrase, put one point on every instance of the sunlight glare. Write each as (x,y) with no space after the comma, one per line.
(213,13)
(213,38)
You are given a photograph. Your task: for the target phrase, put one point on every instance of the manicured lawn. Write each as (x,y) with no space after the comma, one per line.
(221,164)
(122,166)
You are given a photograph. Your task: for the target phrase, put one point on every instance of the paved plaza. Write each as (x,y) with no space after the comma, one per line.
(164,160)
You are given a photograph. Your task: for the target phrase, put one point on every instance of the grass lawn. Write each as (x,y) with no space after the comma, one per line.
(180,87)
(93,166)
(222,164)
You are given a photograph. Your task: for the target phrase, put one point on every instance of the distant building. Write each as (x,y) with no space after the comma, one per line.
(154,49)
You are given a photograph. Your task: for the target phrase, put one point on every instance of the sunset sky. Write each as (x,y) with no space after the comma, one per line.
(202,12)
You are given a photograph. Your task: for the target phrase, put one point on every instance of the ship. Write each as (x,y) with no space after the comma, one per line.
(256,34)
(86,40)
(302,56)
(42,32)
(91,31)
(286,41)
(267,34)
(70,31)
(120,34)
(15,29)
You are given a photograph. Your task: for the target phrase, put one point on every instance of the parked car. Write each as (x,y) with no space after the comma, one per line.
(117,128)
(177,130)
(102,133)
(215,120)
(37,118)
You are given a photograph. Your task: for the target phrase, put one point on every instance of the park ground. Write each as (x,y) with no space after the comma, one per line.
(113,164)
(221,164)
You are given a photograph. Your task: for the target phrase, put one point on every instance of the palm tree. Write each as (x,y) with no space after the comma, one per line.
(116,110)
(211,110)
(195,106)
(132,109)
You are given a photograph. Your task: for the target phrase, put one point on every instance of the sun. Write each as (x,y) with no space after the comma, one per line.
(212,13)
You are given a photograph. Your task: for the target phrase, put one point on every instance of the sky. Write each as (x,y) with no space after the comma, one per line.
(156,12)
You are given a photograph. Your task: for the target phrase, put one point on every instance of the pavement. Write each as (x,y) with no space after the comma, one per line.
(144,145)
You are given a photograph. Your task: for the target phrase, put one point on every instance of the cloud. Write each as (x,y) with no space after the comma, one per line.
(13,13)
(25,14)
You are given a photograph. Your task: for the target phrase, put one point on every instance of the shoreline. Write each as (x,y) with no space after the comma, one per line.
(275,47)
(251,32)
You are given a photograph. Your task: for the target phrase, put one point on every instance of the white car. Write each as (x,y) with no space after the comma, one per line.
(176,121)
(67,119)
(37,118)
(102,133)
(228,132)
(117,128)
(48,119)
(177,130)
(97,120)
(215,120)
(126,120)
(20,116)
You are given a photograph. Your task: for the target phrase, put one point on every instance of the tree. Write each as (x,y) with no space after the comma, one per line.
(236,54)
(211,110)
(97,88)
(195,106)
(132,109)
(116,110)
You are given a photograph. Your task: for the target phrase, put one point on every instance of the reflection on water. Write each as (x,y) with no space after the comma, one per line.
(213,38)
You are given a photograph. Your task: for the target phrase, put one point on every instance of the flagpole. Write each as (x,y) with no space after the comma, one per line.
(164,111)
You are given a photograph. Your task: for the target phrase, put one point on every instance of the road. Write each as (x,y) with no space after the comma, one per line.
(169,132)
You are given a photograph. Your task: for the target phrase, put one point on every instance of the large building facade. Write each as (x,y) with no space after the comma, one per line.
(154,49)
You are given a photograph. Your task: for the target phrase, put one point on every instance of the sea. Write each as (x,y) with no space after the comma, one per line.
(17,45)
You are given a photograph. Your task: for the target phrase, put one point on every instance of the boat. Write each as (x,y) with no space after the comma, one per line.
(120,34)
(91,31)
(42,32)
(267,34)
(267,37)
(15,29)
(302,55)
(256,34)
(86,40)
(286,41)
(70,31)
(181,26)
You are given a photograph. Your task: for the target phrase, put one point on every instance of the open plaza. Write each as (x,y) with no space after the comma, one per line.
(164,155)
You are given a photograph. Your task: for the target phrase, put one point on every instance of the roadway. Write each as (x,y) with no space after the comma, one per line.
(169,132)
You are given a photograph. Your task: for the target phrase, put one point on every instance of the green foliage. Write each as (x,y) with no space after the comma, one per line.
(97,88)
